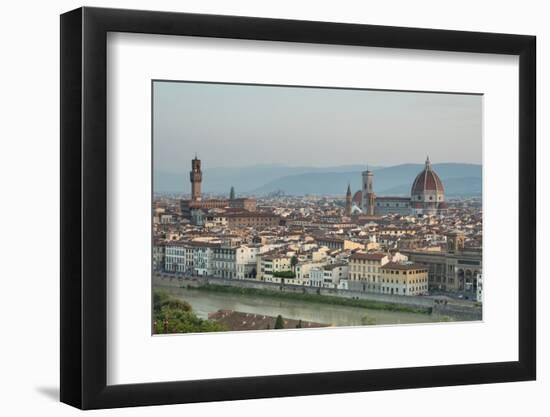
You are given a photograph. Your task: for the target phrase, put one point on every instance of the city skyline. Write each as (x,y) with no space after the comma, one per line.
(355,207)
(422,252)
(463,179)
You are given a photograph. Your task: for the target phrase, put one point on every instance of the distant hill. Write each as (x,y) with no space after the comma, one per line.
(458,179)
(245,179)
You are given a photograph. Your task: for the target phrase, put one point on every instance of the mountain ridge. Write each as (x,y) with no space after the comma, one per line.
(458,179)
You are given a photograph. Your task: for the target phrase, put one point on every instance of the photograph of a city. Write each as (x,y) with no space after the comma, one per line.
(283,207)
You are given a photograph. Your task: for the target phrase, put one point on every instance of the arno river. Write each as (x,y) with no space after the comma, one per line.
(205,302)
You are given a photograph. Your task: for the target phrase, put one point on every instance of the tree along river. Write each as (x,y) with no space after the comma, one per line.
(205,302)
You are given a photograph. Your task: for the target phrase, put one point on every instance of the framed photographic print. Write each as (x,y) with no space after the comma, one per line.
(258,207)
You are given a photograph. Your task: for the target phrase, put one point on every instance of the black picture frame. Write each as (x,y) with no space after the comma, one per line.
(84,207)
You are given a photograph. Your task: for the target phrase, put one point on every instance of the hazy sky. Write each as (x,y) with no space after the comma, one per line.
(235,125)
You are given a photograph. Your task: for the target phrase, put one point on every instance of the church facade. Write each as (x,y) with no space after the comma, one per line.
(427,196)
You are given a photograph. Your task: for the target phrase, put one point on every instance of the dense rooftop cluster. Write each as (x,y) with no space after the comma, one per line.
(309,240)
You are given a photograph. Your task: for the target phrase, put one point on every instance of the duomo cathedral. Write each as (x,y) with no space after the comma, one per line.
(427,196)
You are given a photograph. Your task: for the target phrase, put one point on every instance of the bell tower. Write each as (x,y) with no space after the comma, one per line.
(196,179)
(348,201)
(368,193)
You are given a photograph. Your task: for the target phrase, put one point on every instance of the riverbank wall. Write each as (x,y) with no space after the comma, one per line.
(458,311)
(178,281)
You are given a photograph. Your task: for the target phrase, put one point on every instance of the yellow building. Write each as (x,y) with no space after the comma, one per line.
(365,270)
(404,279)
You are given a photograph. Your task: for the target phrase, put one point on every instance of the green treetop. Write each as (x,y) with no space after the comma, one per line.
(279,322)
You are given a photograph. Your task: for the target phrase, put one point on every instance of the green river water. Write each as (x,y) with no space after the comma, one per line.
(205,302)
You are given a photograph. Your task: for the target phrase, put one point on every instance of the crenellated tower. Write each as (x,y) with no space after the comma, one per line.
(196,179)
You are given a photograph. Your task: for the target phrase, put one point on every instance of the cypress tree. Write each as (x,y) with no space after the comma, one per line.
(279,323)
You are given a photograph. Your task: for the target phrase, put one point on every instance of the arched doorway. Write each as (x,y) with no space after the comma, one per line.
(469,280)
(476,273)
(460,277)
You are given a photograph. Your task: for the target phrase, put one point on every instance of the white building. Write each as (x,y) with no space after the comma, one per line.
(479,289)
(203,258)
(399,257)
(329,276)
(343,284)
(215,220)
(223,262)
(197,217)
(316,277)
(166,219)
(158,257)
(246,261)
(303,270)
(178,258)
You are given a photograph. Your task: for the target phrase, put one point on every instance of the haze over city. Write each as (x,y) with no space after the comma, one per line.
(242,125)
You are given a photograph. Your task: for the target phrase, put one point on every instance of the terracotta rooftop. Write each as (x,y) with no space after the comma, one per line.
(250,214)
(403,267)
(368,256)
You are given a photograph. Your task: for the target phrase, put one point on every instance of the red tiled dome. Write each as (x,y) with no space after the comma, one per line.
(427,180)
